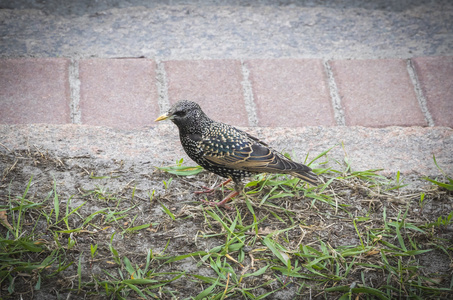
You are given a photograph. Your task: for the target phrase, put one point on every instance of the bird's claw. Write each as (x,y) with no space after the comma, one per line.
(218,204)
(224,201)
(211,190)
(206,191)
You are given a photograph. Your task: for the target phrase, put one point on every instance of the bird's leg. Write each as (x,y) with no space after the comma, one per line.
(208,190)
(237,188)
(224,201)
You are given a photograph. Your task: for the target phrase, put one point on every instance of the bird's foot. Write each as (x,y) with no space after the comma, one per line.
(209,191)
(213,204)
(206,190)
(224,201)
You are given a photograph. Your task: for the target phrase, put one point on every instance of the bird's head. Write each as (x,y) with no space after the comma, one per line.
(185,114)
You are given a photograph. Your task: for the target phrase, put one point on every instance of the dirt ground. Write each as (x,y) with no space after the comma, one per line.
(128,194)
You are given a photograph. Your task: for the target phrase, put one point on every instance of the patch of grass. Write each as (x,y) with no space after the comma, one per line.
(389,248)
(41,235)
(181,170)
(356,235)
(23,253)
(448,186)
(133,279)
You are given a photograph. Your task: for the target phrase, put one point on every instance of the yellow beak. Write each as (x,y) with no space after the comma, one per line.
(161,118)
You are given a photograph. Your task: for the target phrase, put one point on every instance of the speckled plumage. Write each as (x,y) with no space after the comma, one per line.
(228,151)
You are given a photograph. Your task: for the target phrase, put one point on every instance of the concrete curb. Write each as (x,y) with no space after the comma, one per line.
(406,149)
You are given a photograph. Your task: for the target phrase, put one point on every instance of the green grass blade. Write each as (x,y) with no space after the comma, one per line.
(441,184)
(167,211)
(359,290)
(207,291)
(181,170)
(324,153)
(136,289)
(56,203)
(272,245)
(140,227)
(79,271)
(257,273)
(180,257)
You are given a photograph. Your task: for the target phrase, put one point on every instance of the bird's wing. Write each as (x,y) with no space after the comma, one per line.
(238,151)
(244,154)
(252,137)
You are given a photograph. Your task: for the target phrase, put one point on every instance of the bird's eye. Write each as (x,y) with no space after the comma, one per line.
(180,113)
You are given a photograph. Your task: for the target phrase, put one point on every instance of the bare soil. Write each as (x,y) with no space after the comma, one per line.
(127,187)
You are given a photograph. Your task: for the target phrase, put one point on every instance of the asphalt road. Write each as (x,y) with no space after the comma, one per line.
(226,29)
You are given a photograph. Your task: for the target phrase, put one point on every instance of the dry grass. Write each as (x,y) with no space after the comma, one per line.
(103,233)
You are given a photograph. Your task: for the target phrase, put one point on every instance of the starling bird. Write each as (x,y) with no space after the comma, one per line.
(227,151)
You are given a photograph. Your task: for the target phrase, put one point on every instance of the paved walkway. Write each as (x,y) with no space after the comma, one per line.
(131,93)
(289,91)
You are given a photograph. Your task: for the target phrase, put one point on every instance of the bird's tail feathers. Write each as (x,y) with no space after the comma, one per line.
(284,165)
(307,176)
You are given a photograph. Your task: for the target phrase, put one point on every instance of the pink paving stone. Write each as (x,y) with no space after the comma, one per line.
(436,80)
(214,84)
(120,93)
(377,93)
(291,92)
(34,90)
